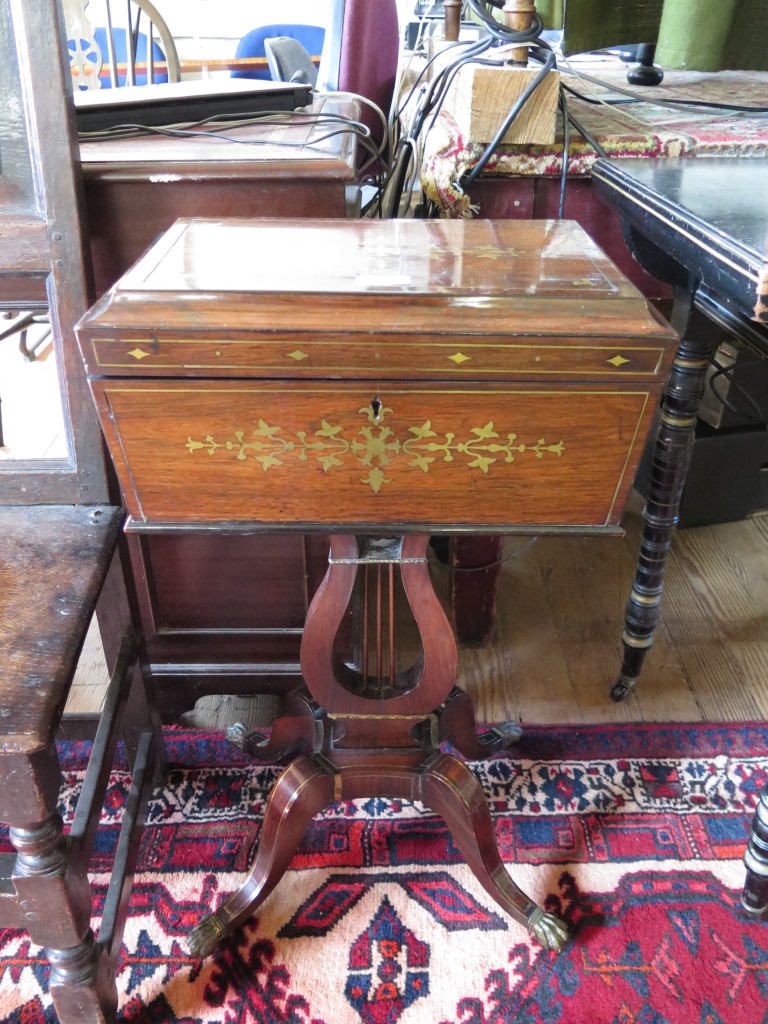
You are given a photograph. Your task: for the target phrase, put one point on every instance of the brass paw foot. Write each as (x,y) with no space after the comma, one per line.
(236,735)
(501,736)
(206,936)
(548,929)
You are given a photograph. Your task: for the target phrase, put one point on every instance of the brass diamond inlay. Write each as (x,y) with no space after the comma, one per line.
(459,358)
(298,355)
(618,361)
(138,353)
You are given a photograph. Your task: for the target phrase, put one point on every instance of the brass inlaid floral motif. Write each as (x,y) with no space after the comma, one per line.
(491,252)
(375,447)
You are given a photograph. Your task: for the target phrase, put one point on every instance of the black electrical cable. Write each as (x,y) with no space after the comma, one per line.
(447,81)
(755,413)
(502,32)
(213,128)
(563,103)
(422,73)
(437,87)
(430,104)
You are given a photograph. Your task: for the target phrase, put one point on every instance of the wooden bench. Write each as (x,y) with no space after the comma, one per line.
(55,561)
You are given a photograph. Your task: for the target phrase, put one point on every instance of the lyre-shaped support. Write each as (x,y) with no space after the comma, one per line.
(417,692)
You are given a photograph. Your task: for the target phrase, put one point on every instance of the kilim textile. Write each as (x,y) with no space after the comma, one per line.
(644,129)
(634,834)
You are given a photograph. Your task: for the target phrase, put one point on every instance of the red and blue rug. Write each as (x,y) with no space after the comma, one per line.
(634,834)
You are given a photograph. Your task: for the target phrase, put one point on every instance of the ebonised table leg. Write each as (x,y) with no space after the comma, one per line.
(671,457)
(754,897)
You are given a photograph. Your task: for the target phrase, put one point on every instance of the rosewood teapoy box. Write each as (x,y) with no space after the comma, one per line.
(400,374)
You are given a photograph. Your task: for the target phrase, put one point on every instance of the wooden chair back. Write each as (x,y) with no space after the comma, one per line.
(112,43)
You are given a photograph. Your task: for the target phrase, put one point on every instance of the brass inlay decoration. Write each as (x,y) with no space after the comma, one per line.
(138,353)
(298,355)
(459,358)
(618,361)
(375,447)
(490,252)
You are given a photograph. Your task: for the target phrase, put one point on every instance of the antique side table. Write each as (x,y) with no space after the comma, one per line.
(701,225)
(378,381)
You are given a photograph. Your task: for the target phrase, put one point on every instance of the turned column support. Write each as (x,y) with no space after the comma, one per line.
(754,898)
(452,9)
(518,16)
(51,883)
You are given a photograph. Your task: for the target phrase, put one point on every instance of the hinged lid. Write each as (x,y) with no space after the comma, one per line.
(388,298)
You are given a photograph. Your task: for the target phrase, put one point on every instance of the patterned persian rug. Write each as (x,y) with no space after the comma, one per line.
(634,834)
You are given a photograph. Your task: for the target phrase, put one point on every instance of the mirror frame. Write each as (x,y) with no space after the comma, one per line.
(44,258)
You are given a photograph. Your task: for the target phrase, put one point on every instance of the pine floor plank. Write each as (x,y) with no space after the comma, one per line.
(586,583)
(727,568)
(664,693)
(522,671)
(556,647)
(91,677)
(753,662)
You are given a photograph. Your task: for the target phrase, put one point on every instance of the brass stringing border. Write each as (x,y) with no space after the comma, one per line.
(375,447)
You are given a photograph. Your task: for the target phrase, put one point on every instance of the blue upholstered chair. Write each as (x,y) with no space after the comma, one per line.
(252,44)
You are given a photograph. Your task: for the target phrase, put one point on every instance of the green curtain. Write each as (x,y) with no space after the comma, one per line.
(698,35)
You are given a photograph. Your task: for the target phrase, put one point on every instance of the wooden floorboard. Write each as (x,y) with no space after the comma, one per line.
(555,651)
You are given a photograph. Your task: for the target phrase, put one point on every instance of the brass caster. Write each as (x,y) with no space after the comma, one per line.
(548,929)
(502,735)
(622,688)
(206,936)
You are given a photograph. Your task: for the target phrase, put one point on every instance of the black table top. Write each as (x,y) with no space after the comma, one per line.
(710,215)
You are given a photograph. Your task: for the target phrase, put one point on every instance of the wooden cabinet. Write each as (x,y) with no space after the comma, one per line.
(136,188)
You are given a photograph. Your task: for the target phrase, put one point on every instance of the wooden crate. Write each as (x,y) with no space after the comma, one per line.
(481,97)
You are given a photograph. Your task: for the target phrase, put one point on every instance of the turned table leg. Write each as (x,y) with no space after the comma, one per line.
(52,898)
(754,898)
(671,457)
